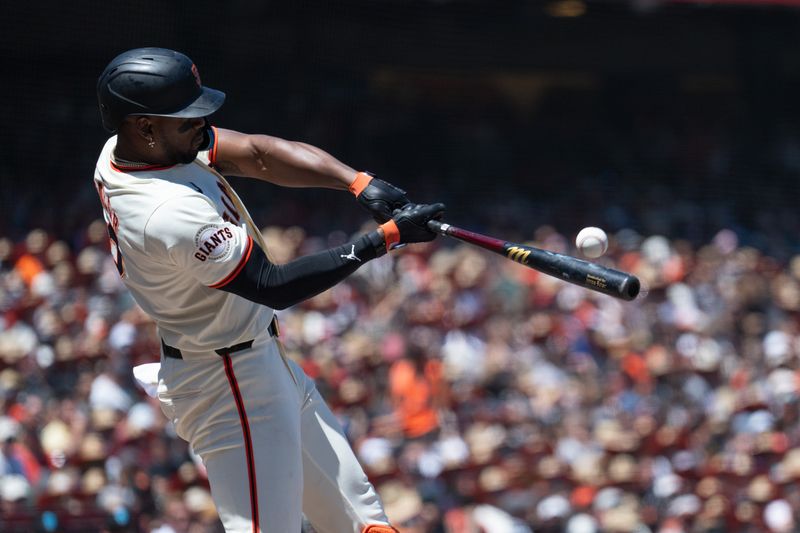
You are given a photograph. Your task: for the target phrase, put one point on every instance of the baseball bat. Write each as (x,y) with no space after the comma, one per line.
(582,273)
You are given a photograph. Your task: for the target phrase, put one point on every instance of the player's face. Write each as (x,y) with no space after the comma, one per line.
(179,138)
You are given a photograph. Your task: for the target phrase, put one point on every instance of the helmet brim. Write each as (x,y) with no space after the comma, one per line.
(209,101)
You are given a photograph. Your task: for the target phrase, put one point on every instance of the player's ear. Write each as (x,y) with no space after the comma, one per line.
(144,126)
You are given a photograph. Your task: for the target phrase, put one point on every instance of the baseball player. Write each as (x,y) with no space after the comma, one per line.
(188,251)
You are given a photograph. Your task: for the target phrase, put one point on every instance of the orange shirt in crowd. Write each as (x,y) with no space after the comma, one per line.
(413,396)
(28,267)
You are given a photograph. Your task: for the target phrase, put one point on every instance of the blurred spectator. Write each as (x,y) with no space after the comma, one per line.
(415,384)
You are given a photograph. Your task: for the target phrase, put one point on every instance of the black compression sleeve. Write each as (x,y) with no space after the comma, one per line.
(281,286)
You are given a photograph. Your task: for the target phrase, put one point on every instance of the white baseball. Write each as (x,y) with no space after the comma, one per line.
(592,242)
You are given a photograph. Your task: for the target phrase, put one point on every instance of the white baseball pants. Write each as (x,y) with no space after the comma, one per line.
(272,447)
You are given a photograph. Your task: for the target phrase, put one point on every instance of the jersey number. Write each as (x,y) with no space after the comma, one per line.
(115,253)
(111,223)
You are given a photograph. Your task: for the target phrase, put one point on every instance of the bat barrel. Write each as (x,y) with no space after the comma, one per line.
(630,287)
(584,273)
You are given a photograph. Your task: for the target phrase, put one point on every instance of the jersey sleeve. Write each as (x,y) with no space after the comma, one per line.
(189,233)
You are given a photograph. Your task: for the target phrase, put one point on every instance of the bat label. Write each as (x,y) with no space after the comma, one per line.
(595,281)
(520,255)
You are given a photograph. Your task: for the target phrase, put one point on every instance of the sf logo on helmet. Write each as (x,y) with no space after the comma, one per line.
(196,75)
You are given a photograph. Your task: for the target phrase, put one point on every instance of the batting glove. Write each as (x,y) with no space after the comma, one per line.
(410,224)
(377,196)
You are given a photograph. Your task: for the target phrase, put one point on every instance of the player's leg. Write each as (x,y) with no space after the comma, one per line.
(338,497)
(242,418)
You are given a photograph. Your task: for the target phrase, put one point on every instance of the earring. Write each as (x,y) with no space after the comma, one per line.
(152,143)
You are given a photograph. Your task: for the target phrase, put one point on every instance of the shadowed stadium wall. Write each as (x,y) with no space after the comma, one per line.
(540,119)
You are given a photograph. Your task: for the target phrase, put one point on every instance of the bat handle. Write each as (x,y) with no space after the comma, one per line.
(438,227)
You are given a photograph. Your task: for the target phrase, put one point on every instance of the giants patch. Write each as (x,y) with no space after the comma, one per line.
(214,243)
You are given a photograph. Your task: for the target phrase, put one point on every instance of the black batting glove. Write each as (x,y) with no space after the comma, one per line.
(381,199)
(410,224)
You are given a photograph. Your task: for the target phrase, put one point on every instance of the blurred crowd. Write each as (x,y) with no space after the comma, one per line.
(479,395)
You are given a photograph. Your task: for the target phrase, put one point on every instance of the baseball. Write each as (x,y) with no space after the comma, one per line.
(592,242)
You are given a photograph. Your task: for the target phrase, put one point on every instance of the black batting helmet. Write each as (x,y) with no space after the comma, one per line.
(153,81)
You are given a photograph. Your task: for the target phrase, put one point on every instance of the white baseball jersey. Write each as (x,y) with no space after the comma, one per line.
(177,237)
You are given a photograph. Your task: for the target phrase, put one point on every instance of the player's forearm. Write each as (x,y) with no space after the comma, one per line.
(281,286)
(282,162)
(296,164)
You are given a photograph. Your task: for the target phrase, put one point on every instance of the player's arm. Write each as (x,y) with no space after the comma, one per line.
(278,161)
(281,286)
(297,164)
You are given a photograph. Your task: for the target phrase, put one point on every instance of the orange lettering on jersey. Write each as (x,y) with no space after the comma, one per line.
(112,225)
(106,203)
(228,204)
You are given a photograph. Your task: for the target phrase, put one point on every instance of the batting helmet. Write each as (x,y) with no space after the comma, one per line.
(153,81)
